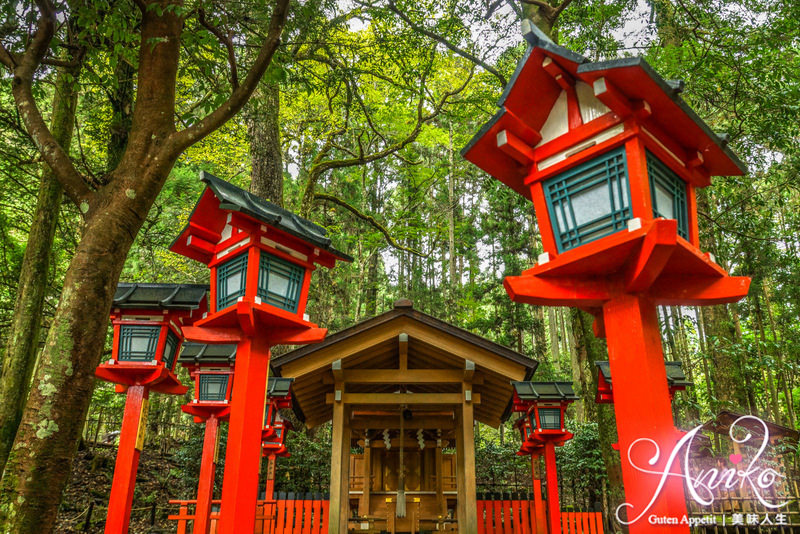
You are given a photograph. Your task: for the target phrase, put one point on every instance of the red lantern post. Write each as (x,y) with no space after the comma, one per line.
(211,368)
(147,321)
(611,157)
(261,259)
(543,427)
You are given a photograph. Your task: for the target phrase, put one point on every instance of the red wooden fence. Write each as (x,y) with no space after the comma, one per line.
(512,514)
(308,514)
(581,523)
(290,515)
(526,514)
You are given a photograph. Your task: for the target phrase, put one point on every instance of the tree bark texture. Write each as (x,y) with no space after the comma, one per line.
(23,334)
(263,131)
(40,459)
(121,100)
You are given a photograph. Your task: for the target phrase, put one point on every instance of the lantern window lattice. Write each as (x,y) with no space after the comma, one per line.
(170,349)
(231,281)
(213,387)
(668,193)
(589,201)
(138,343)
(550,418)
(279,282)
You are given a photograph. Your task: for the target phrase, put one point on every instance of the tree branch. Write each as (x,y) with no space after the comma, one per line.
(7,58)
(226,42)
(562,7)
(453,48)
(185,138)
(368,218)
(22,88)
(539,3)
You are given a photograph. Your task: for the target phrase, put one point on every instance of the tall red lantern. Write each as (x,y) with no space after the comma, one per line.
(147,320)
(276,428)
(543,427)
(261,259)
(611,157)
(211,369)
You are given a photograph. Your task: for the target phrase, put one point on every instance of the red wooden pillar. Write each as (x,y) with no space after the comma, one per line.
(643,409)
(133,421)
(208,467)
(243,454)
(553,505)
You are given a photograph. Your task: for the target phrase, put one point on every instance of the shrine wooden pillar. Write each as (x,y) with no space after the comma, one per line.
(339,507)
(440,480)
(465,459)
(363,507)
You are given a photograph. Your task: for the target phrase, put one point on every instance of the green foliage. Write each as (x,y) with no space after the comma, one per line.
(581,463)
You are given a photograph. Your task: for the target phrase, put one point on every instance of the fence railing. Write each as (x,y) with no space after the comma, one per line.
(288,514)
(524,513)
(521,513)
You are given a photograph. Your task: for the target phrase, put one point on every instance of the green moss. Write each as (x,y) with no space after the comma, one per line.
(46,429)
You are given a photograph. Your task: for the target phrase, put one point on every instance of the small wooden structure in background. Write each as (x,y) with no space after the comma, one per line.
(404,388)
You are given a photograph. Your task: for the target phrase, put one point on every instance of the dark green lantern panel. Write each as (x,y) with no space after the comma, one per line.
(589,201)
(170,349)
(550,418)
(231,281)
(279,282)
(668,193)
(138,343)
(213,387)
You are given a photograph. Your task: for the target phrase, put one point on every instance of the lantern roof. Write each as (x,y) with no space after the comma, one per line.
(537,79)
(199,353)
(195,353)
(675,375)
(159,296)
(544,391)
(278,386)
(221,196)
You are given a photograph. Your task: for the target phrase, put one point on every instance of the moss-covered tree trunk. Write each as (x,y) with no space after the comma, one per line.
(23,334)
(40,459)
(263,131)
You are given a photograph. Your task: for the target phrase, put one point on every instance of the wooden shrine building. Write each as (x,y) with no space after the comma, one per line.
(403,390)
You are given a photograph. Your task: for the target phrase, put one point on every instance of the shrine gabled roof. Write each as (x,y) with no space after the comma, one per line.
(159,296)
(675,375)
(531,94)
(431,344)
(544,391)
(232,198)
(721,424)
